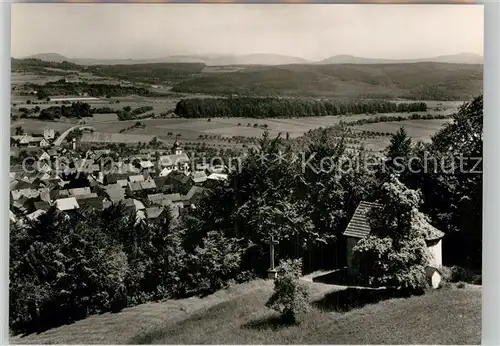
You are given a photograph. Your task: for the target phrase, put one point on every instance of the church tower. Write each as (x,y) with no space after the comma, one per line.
(176,148)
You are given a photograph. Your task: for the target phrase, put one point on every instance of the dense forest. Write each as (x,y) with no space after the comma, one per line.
(270,107)
(61,87)
(65,266)
(418,81)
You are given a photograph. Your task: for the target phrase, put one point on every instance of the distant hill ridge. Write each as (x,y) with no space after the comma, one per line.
(260,59)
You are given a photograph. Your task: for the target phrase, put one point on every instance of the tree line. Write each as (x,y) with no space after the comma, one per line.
(61,87)
(76,110)
(270,107)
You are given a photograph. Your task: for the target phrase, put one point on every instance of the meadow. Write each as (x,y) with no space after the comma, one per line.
(237,315)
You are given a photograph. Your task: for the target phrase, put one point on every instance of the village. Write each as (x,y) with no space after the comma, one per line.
(69,179)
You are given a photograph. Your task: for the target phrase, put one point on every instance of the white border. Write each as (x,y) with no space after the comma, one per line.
(491,169)
(5,160)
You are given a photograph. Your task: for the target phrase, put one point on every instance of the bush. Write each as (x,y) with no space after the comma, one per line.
(459,274)
(213,264)
(290,297)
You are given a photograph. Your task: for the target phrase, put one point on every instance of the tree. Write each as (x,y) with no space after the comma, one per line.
(450,176)
(395,253)
(290,297)
(19,131)
(399,150)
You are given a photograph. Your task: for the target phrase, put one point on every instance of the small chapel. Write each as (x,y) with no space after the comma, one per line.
(359,228)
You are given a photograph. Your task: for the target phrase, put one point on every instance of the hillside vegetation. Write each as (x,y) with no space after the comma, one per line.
(146,73)
(237,315)
(419,81)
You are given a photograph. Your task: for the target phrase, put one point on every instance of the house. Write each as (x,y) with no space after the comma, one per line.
(359,228)
(155,198)
(146,165)
(48,134)
(44,143)
(68,203)
(198,177)
(148,184)
(156,213)
(35,215)
(176,160)
(12,216)
(114,177)
(79,191)
(165,172)
(136,178)
(122,182)
(194,195)
(44,157)
(162,184)
(84,197)
(179,181)
(217,176)
(133,204)
(29,141)
(134,187)
(41,205)
(115,193)
(90,201)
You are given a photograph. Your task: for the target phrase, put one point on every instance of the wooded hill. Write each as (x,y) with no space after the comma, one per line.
(418,81)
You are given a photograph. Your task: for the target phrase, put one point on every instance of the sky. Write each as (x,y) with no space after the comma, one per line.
(313,32)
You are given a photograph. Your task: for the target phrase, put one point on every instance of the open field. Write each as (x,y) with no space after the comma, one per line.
(417,129)
(238,316)
(107,128)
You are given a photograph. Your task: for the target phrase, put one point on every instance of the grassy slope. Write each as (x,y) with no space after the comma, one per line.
(238,315)
(420,80)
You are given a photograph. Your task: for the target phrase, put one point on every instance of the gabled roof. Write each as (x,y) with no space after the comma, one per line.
(160,181)
(44,156)
(122,182)
(36,214)
(94,202)
(172,160)
(136,178)
(114,177)
(154,212)
(155,198)
(193,191)
(146,164)
(79,191)
(217,176)
(87,196)
(41,205)
(165,172)
(173,197)
(198,177)
(138,205)
(359,226)
(148,184)
(67,203)
(134,186)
